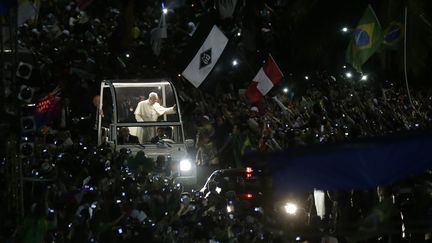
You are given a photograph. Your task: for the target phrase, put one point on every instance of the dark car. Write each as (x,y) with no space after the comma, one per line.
(247,183)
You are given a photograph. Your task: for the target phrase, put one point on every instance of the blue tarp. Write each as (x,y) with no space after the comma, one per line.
(5,5)
(354,165)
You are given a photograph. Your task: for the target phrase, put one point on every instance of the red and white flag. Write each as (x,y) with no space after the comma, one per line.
(267,77)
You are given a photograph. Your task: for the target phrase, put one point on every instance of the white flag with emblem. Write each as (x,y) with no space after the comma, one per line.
(206,57)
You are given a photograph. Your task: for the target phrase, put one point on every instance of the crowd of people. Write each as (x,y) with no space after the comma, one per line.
(89,194)
(331,111)
(76,192)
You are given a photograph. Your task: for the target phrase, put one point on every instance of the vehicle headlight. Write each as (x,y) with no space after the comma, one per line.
(290,208)
(185,165)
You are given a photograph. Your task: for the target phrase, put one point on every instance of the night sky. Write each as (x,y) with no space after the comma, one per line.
(308,38)
(305,38)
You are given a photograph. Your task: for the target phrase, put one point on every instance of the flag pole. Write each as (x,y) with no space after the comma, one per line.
(276,64)
(405,60)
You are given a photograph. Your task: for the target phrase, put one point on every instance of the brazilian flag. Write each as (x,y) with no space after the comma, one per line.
(394,33)
(365,40)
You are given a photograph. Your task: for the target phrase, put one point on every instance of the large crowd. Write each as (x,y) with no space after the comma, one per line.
(74,191)
(101,199)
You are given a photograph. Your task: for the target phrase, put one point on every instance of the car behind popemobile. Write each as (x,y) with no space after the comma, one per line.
(163,137)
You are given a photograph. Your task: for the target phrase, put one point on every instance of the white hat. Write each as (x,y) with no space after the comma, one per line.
(254,108)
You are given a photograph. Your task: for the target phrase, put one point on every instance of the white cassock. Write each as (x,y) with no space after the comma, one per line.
(147,112)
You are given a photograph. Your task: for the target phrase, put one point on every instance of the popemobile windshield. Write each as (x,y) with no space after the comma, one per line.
(158,132)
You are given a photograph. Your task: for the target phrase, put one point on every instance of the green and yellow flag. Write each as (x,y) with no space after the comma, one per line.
(394,33)
(365,40)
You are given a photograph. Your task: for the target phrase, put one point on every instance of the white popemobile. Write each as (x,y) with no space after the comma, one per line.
(118,102)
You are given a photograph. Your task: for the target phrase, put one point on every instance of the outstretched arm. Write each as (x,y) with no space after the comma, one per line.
(164,110)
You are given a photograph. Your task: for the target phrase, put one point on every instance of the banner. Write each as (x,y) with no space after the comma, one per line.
(360,164)
(206,56)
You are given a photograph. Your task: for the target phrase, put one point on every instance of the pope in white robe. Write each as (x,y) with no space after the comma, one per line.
(148,111)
